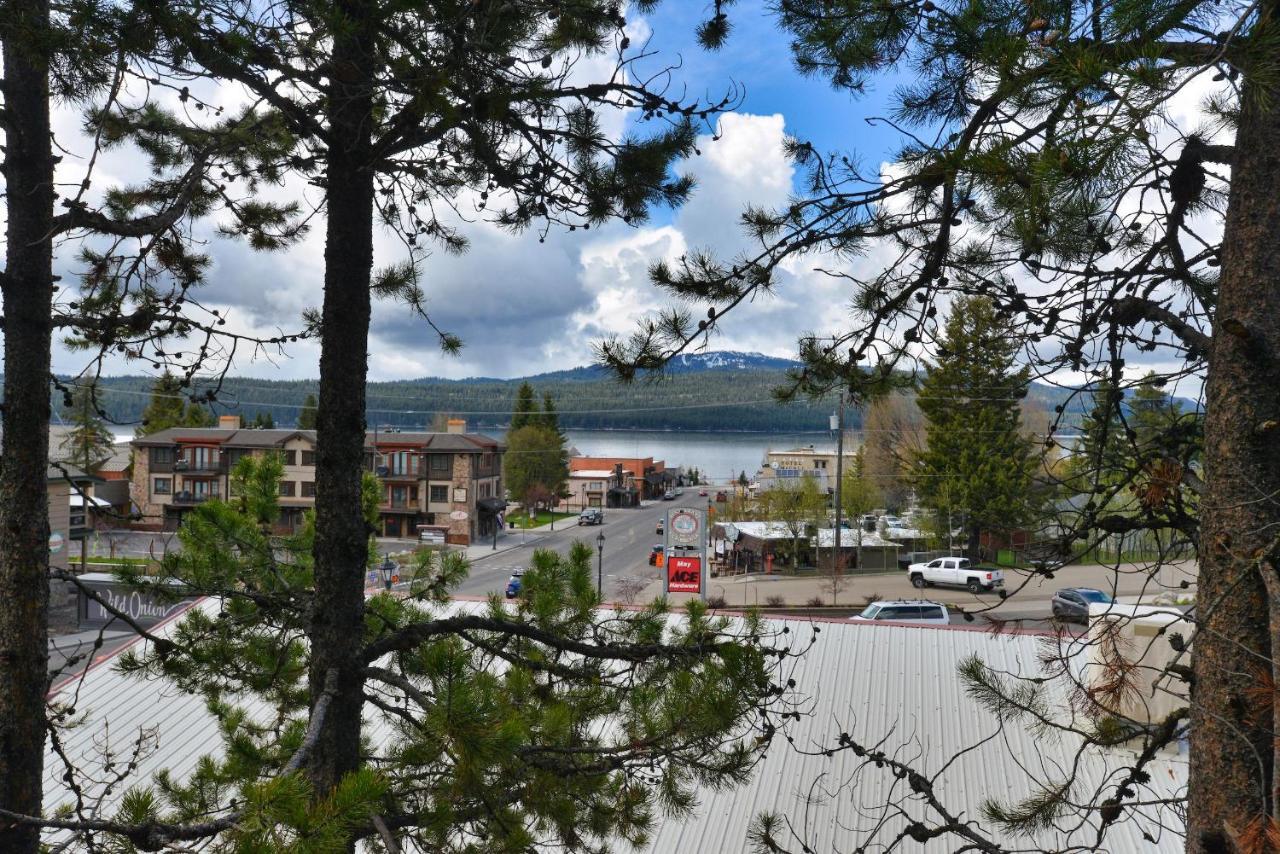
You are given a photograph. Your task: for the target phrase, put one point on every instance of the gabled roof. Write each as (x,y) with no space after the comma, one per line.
(253,438)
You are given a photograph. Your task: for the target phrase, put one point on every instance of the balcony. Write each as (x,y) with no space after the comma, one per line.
(200,465)
(190,499)
(385,473)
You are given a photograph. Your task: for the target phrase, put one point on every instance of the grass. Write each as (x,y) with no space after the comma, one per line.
(117,561)
(543,518)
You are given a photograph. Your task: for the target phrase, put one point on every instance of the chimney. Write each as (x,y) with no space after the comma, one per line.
(457,425)
(228,422)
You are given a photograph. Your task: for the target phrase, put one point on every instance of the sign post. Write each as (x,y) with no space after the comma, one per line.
(686,531)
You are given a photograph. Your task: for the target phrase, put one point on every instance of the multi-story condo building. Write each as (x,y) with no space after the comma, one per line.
(448,481)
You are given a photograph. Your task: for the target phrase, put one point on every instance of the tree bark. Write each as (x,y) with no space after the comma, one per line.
(341,547)
(27,287)
(1232,747)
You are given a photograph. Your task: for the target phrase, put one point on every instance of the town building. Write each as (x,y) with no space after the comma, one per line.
(783,467)
(641,479)
(450,481)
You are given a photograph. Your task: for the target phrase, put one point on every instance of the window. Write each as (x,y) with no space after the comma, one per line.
(161,455)
(203,488)
(937,564)
(931,614)
(308,458)
(1093,596)
(308,488)
(234,455)
(595,486)
(963,563)
(441,464)
(162,486)
(869,613)
(897,612)
(286,488)
(290,457)
(439,494)
(948,564)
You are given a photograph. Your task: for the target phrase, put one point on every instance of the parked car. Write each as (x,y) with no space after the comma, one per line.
(515,584)
(722,496)
(702,493)
(662,524)
(956,572)
(1072,603)
(591,516)
(905,611)
(669,495)
(679,490)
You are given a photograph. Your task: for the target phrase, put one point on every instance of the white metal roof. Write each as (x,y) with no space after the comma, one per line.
(895,685)
(591,473)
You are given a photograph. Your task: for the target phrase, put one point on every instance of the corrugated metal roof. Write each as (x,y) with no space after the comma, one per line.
(891,685)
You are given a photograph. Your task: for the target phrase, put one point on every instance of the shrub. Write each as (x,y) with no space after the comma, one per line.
(716,602)
(816,602)
(774,601)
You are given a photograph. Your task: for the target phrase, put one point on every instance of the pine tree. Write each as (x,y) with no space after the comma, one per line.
(307,416)
(88,444)
(526,409)
(970,403)
(165,409)
(535,460)
(1104,454)
(1040,165)
(595,718)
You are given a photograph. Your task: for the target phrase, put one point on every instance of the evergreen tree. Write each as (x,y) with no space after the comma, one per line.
(535,461)
(262,420)
(597,722)
(1153,416)
(550,418)
(166,407)
(526,410)
(970,403)
(88,444)
(307,416)
(1041,165)
(402,113)
(1104,453)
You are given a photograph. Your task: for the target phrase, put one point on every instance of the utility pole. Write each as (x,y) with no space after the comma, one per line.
(838,420)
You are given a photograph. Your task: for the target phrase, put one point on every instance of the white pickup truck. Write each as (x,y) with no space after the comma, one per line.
(955,571)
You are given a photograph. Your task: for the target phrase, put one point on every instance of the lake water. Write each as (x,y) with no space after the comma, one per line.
(718,456)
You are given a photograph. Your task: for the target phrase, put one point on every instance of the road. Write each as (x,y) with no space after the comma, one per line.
(629,537)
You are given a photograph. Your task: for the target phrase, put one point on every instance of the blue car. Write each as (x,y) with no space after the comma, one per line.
(514,585)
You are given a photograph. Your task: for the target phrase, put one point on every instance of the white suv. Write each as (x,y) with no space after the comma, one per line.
(906,612)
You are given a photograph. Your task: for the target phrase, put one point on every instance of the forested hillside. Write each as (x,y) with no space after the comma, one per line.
(720,392)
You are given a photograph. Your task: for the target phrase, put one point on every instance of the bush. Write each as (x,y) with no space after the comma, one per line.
(716,602)
(774,601)
(816,602)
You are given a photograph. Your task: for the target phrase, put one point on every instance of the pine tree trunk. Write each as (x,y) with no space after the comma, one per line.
(27,286)
(341,550)
(1232,749)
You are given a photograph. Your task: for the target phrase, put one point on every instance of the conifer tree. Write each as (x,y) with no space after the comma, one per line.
(973,445)
(1045,164)
(404,115)
(597,722)
(526,408)
(307,415)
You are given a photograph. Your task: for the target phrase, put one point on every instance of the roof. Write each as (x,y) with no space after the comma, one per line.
(849,539)
(253,438)
(891,684)
(62,472)
(586,473)
(118,460)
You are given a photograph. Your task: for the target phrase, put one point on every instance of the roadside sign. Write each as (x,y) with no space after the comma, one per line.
(686,528)
(684,574)
(55,542)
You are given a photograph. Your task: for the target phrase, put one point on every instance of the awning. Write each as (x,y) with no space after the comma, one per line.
(491,505)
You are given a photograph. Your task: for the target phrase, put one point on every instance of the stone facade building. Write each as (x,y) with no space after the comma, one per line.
(451,482)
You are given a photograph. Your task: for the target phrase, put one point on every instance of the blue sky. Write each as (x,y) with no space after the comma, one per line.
(522,307)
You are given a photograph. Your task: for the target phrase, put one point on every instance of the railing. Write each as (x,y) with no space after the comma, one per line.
(191,498)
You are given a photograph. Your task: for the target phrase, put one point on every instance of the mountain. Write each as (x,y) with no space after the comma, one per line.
(716,391)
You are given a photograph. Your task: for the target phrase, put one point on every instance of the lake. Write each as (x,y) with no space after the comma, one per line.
(718,456)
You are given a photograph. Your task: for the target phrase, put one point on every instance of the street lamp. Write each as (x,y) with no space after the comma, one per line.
(388,569)
(600,563)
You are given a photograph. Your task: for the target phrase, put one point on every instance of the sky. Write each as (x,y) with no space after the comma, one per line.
(522,307)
